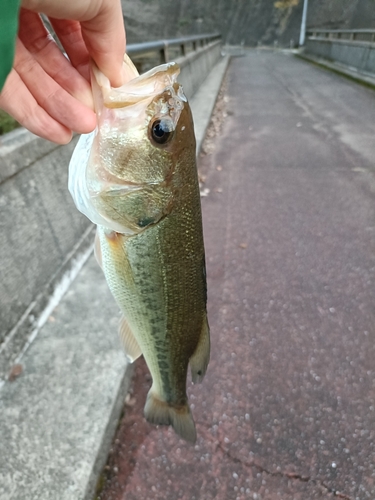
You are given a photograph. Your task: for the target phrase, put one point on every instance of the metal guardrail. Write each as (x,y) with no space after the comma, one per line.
(181,45)
(358,35)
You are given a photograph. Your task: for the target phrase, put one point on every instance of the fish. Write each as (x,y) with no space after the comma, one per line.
(136,178)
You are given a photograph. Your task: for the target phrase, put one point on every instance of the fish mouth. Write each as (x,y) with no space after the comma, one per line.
(139,88)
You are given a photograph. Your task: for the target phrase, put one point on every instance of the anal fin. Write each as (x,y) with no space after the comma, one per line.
(199,360)
(130,344)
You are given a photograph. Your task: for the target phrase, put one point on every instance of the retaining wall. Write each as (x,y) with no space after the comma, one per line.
(196,66)
(355,54)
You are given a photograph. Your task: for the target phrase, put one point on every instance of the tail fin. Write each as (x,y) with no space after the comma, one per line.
(159,412)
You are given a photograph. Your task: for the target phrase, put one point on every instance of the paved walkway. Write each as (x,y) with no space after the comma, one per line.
(287,409)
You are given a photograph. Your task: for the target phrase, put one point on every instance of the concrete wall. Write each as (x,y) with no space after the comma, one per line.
(40,229)
(196,66)
(42,235)
(356,54)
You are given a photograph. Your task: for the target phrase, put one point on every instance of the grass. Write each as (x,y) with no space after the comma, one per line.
(7,123)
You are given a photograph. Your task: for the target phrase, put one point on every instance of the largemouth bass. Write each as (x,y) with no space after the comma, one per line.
(136,178)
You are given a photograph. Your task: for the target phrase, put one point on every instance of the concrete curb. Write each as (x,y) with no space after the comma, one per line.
(204,100)
(36,207)
(58,418)
(26,329)
(342,69)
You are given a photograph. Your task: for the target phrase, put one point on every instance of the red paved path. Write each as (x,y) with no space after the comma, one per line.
(287,407)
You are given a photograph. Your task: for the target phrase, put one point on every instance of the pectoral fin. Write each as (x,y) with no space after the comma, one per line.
(200,358)
(98,250)
(131,346)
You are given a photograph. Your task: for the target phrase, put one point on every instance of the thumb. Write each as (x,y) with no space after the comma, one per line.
(104,37)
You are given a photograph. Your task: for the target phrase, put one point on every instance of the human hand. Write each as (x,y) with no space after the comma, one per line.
(48,93)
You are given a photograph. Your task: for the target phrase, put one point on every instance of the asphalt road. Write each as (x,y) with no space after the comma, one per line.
(287,409)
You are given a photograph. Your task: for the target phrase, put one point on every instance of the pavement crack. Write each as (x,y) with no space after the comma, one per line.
(261,468)
(281,474)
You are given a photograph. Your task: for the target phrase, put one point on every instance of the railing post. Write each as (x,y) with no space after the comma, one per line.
(164,56)
(183,49)
(194,46)
(302,34)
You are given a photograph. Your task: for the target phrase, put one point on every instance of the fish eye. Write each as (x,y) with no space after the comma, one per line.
(162,130)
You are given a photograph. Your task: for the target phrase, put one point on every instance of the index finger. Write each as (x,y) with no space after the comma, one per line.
(102,29)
